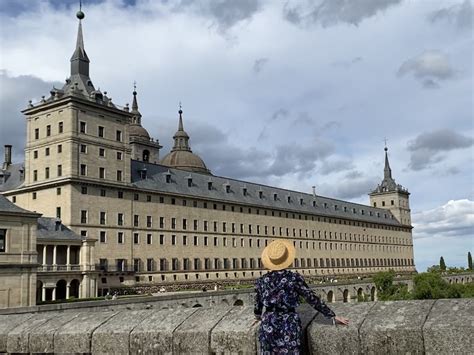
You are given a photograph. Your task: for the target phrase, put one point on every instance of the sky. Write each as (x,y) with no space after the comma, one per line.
(293,94)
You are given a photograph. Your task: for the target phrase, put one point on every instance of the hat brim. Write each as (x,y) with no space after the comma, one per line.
(268,264)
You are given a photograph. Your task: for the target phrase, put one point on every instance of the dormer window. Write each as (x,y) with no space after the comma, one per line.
(362,212)
(275,197)
(260,194)
(354,210)
(378,214)
(244,191)
(227,188)
(190,181)
(301,201)
(209,185)
(336,207)
(314,203)
(325,205)
(168,177)
(143,173)
(289,199)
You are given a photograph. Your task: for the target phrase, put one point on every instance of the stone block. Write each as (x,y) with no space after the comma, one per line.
(325,338)
(394,327)
(234,334)
(194,334)
(7,323)
(18,338)
(449,327)
(113,337)
(154,335)
(41,339)
(75,336)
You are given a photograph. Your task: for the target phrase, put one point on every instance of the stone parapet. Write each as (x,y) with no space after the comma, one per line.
(431,327)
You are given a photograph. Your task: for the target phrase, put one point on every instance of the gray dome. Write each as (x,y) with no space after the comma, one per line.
(185,160)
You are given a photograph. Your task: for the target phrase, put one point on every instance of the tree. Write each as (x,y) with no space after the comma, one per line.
(442,264)
(469,261)
(433,286)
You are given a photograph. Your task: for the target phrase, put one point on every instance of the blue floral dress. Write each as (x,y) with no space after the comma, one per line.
(279,292)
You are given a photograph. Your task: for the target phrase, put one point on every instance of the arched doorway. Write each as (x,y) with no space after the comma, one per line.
(373,294)
(74,288)
(61,290)
(39,291)
(345,296)
(360,295)
(238,303)
(330,296)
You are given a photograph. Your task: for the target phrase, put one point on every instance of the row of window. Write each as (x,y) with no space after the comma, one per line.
(186,264)
(47,173)
(102,174)
(82,129)
(249,229)
(185,240)
(84,149)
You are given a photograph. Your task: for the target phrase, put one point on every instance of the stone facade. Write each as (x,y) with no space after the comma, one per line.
(85,163)
(17,255)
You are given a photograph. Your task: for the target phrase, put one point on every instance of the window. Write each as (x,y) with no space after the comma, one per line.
(37,133)
(100,131)
(120,239)
(35,175)
(162,239)
(196,240)
(136,197)
(120,194)
(148,221)
(136,238)
(148,198)
(136,265)
(101,152)
(46,173)
(173,240)
(392,202)
(101,173)
(195,225)
(83,216)
(119,156)
(102,192)
(209,185)
(46,152)
(83,148)
(135,220)
(82,127)
(60,170)
(173,223)
(102,218)
(3,240)
(150,265)
(103,237)
(120,219)
(84,190)
(48,130)
(185,240)
(149,238)
(60,127)
(244,191)
(34,196)
(184,223)
(119,175)
(118,136)
(58,212)
(83,169)
(58,191)
(35,154)
(162,222)
(275,197)
(383,203)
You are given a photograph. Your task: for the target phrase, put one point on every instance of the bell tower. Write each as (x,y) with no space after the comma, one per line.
(392,196)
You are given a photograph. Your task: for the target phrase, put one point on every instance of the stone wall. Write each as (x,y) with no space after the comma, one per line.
(441,326)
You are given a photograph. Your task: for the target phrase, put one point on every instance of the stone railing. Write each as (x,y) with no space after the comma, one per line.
(435,327)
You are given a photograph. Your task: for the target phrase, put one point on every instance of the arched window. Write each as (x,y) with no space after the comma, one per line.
(146,155)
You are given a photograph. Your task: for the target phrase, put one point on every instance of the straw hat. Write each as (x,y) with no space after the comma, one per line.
(278,255)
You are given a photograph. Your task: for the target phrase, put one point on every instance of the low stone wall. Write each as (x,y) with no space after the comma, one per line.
(433,327)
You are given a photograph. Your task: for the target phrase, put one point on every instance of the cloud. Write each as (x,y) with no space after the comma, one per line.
(429,68)
(16,91)
(454,219)
(347,63)
(427,148)
(332,12)
(331,166)
(353,186)
(259,64)
(459,15)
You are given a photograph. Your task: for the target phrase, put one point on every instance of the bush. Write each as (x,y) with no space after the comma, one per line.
(432,286)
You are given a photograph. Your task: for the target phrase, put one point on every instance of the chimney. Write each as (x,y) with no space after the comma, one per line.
(314,191)
(8,156)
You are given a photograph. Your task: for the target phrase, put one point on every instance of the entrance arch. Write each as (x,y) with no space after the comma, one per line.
(74,288)
(360,295)
(61,289)
(373,294)
(330,296)
(346,296)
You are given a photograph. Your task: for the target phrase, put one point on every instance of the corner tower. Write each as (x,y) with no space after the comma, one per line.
(392,196)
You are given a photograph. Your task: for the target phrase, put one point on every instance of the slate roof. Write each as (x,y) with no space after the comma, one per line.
(47,230)
(7,206)
(14,175)
(327,207)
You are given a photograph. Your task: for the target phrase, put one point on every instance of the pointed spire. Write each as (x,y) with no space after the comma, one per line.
(79,59)
(181,138)
(137,118)
(387,172)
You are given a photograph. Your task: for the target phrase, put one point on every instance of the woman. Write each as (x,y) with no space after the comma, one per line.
(279,291)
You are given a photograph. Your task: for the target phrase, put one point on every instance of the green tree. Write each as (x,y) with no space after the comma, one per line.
(434,268)
(384,283)
(433,286)
(469,261)
(442,264)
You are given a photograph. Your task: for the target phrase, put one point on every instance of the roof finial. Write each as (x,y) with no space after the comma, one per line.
(80,15)
(387,170)
(180,127)
(135,102)
(385,140)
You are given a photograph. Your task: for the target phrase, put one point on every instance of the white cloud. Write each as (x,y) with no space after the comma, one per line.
(453,219)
